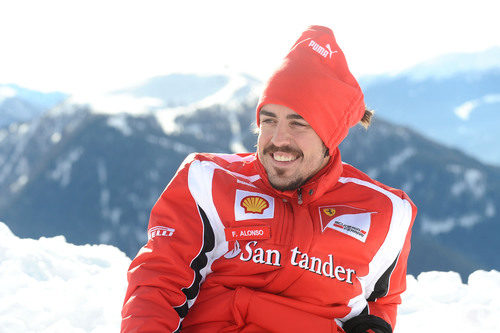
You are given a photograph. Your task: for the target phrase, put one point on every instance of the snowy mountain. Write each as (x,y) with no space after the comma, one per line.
(19,104)
(178,89)
(94,177)
(49,278)
(92,171)
(454,99)
(180,92)
(450,65)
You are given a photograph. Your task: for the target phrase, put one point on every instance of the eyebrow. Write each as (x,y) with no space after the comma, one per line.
(272,114)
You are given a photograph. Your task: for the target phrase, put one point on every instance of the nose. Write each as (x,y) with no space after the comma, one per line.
(281,135)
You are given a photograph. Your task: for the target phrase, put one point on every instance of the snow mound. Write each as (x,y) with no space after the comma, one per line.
(440,302)
(51,286)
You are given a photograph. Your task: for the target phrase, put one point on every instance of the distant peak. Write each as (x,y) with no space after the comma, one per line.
(451,64)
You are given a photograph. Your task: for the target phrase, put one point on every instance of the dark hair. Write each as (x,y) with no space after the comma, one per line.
(367,118)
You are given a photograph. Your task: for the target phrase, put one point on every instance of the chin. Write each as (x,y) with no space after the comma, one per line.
(287,186)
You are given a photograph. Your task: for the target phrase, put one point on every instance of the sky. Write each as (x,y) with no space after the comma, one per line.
(92,46)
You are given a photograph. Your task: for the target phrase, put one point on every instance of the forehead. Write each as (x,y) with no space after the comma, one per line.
(279,111)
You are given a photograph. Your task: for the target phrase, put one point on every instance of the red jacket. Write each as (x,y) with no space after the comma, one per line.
(226,252)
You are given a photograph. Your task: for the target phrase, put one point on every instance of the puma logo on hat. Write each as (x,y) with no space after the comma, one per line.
(324,52)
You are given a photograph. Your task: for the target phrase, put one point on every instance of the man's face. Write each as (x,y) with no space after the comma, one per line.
(289,149)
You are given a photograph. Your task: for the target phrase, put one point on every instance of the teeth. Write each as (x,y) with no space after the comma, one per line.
(283,158)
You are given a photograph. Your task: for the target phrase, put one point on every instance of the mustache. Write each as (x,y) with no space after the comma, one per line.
(271,149)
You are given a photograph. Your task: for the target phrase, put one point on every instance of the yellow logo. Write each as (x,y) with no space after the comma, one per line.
(254,204)
(329,211)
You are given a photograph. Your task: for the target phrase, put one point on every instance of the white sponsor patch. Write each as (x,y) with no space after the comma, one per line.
(253,205)
(160,231)
(354,225)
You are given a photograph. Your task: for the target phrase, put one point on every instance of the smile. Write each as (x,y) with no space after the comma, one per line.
(284,157)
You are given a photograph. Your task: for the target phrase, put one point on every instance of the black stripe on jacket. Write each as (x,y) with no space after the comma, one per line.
(198,263)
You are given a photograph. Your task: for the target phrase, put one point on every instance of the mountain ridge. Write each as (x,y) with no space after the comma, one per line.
(97,184)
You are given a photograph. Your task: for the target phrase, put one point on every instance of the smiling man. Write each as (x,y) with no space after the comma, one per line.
(287,239)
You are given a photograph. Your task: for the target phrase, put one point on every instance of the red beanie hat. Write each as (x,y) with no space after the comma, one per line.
(315,82)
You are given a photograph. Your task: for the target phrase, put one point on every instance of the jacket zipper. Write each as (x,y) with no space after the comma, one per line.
(299,196)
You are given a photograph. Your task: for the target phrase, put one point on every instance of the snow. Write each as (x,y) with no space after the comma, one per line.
(52,286)
(490,210)
(110,213)
(447,65)
(62,170)
(469,180)
(464,110)
(398,159)
(439,226)
(169,144)
(55,138)
(469,220)
(120,123)
(19,183)
(228,93)
(6,92)
(3,134)
(119,103)
(435,227)
(440,302)
(238,89)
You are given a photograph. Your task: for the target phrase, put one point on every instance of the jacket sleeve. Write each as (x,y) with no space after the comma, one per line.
(386,296)
(165,276)
(385,290)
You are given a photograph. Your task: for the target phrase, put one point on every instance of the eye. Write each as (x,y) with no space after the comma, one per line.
(298,124)
(267,121)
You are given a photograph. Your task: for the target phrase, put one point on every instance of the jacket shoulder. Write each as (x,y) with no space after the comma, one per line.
(232,162)
(352,174)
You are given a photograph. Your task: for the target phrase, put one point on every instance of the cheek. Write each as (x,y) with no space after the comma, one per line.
(262,140)
(315,148)
(260,144)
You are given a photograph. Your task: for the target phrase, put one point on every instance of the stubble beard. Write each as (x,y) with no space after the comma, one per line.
(294,183)
(291,186)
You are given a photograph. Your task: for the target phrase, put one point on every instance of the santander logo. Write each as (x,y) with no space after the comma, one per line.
(323,51)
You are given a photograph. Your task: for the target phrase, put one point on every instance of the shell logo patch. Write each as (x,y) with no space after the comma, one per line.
(252,205)
(352,221)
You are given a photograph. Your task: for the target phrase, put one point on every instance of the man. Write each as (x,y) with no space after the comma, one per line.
(287,239)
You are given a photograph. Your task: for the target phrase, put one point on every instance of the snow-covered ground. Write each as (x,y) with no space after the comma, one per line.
(49,285)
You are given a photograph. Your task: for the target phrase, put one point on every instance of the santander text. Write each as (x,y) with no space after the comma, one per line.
(325,267)
(259,256)
(321,267)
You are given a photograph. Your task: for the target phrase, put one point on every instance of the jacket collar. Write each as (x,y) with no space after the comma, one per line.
(314,188)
